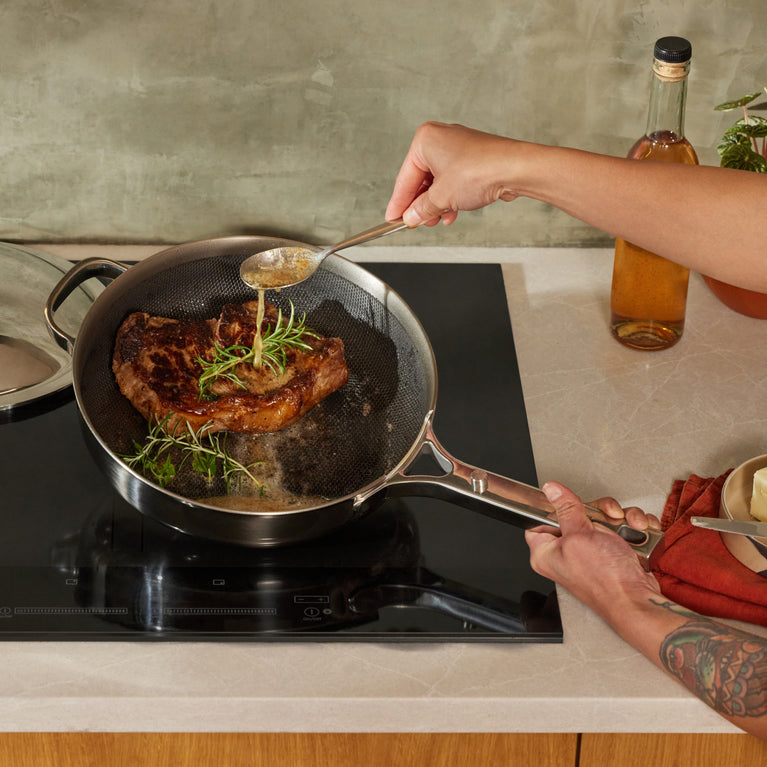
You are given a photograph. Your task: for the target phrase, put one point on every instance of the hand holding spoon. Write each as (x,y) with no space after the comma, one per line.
(281,267)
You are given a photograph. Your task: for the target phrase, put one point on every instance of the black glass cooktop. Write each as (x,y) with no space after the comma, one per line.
(78,562)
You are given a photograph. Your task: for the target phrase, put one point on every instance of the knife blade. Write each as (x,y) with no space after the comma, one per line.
(737,526)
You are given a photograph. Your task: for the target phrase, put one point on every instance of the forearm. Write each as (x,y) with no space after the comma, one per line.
(724,667)
(707,218)
(710,219)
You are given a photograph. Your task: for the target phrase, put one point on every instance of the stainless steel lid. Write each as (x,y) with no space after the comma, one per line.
(32,366)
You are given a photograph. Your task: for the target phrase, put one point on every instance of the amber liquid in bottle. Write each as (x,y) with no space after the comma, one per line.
(649,293)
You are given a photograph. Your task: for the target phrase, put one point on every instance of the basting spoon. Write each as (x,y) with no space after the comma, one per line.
(281,267)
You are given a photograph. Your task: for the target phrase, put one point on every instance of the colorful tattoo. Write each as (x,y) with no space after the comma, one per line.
(724,667)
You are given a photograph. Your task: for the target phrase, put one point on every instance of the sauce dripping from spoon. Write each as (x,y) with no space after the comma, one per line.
(258,341)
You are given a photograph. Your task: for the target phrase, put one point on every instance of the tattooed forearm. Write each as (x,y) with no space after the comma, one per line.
(724,667)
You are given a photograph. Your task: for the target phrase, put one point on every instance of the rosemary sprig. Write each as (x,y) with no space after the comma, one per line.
(207,451)
(275,343)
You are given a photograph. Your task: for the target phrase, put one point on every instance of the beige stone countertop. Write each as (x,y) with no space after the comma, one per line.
(603,419)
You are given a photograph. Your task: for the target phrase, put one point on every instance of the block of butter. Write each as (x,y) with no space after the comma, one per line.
(759,495)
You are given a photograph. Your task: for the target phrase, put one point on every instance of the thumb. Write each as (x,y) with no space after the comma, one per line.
(423,210)
(571,512)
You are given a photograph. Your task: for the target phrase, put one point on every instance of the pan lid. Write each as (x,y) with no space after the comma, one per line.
(32,366)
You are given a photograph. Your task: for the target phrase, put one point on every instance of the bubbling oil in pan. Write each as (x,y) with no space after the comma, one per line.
(262,455)
(278,461)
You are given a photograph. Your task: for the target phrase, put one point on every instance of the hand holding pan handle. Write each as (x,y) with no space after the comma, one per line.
(495,496)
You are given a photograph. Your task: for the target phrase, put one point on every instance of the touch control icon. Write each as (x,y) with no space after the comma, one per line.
(311,611)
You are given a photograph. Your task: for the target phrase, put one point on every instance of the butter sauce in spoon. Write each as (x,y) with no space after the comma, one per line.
(281,267)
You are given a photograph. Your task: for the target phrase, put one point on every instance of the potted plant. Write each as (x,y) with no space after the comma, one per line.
(743,147)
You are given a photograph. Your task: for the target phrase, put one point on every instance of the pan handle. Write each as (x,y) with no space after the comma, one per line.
(496,496)
(79,273)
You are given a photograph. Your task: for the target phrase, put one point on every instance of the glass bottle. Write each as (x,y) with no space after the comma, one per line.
(648,300)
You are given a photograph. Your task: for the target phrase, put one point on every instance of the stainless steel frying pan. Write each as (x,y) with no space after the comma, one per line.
(353,450)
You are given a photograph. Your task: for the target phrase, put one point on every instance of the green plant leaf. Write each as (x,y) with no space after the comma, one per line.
(734,139)
(741,157)
(741,102)
(756,127)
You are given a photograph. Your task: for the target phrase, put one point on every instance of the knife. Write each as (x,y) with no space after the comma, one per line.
(739,527)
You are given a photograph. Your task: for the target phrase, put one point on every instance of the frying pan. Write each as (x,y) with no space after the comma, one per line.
(346,455)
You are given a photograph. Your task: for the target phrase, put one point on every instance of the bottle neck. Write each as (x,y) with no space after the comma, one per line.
(668,98)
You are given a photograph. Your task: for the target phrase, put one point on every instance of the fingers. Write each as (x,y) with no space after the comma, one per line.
(412,179)
(416,208)
(572,515)
(640,520)
(634,516)
(418,196)
(610,507)
(541,540)
(425,211)
(571,512)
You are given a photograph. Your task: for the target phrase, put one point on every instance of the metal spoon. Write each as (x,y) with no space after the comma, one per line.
(281,267)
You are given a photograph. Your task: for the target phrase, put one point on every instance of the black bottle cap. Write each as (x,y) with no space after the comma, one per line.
(673,50)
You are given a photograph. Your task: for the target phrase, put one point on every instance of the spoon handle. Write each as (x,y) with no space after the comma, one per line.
(368,234)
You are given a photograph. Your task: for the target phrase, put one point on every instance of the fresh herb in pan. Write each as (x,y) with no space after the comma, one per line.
(206,452)
(272,352)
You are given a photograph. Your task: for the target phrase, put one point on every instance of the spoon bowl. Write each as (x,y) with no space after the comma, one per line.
(282,267)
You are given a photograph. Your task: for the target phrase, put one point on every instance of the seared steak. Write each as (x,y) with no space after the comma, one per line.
(156,366)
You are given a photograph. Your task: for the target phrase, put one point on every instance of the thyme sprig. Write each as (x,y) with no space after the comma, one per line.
(275,343)
(206,451)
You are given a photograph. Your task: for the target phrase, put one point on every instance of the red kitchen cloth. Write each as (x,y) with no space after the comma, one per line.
(696,569)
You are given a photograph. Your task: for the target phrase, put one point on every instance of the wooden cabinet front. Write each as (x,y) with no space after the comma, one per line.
(285,750)
(379,750)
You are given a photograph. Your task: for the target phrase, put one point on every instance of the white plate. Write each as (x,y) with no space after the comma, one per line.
(736,500)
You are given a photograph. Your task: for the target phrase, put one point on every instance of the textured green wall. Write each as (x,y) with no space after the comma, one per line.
(176,120)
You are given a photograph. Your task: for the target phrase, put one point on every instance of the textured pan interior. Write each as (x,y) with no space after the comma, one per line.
(351,439)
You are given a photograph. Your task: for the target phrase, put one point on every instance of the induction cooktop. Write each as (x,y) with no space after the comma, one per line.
(77,562)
